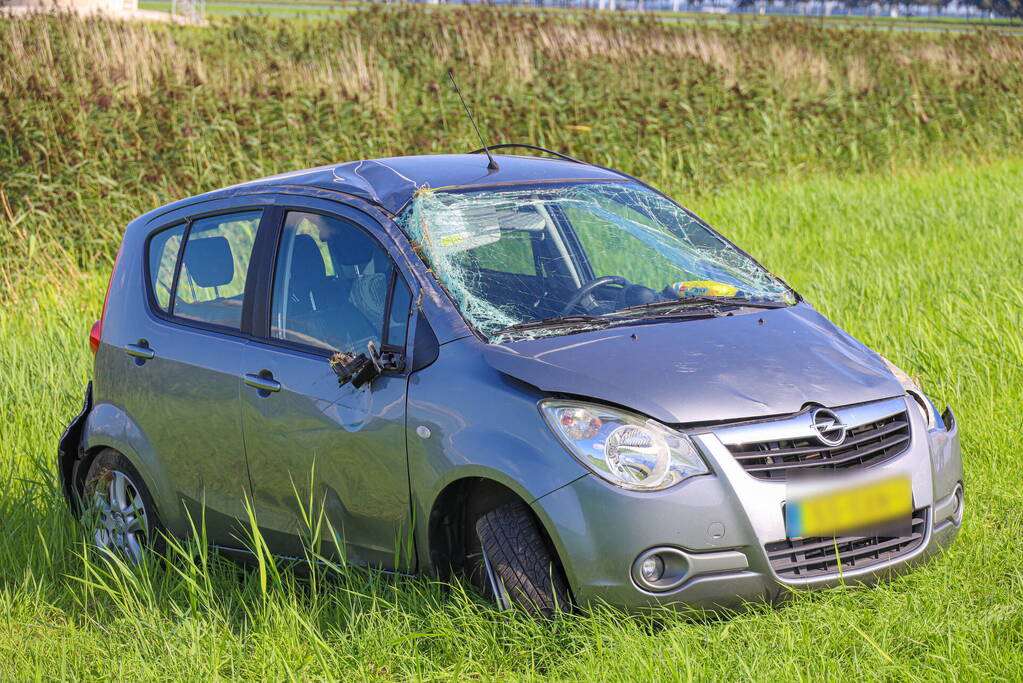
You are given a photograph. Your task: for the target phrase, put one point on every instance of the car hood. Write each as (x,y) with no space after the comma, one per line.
(749,365)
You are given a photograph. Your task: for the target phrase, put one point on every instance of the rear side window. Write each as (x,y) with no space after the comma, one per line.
(203,279)
(163,258)
(331,286)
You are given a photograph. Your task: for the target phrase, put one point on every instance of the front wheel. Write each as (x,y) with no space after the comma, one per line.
(520,567)
(119,509)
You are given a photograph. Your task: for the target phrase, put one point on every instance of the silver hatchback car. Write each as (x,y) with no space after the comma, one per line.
(546,377)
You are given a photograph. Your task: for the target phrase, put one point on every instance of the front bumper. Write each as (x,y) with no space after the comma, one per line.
(720,524)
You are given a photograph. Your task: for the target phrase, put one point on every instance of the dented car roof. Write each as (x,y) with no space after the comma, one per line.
(391,182)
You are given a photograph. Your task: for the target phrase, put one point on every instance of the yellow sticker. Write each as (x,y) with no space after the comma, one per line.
(704,288)
(452,239)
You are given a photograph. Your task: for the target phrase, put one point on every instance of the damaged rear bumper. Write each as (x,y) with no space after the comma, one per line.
(69,452)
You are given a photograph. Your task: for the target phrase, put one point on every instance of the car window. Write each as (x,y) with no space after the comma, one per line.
(163,257)
(649,248)
(330,284)
(612,251)
(401,302)
(511,253)
(214,266)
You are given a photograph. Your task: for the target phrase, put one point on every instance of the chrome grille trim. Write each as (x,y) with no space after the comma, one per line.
(769,449)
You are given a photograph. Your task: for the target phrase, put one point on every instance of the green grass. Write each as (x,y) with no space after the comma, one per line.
(868,169)
(311,9)
(922,266)
(327,8)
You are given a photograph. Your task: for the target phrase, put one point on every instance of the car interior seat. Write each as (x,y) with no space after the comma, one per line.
(209,264)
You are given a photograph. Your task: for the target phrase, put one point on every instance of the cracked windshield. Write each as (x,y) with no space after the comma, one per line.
(549,260)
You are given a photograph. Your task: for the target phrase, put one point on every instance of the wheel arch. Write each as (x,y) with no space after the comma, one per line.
(452,518)
(76,472)
(108,426)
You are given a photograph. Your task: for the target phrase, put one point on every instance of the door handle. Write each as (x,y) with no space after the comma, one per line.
(140,350)
(262,383)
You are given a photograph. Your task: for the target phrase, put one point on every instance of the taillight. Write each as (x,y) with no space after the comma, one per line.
(96,333)
(94,336)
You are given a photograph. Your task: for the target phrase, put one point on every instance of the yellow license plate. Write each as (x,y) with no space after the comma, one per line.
(849,509)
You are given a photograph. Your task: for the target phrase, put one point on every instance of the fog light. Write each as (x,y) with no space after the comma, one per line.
(660,569)
(652,568)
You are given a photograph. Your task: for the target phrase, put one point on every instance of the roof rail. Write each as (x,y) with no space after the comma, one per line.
(507,145)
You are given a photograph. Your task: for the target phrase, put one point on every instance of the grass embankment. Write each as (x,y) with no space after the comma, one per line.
(920,267)
(332,8)
(305,9)
(103,121)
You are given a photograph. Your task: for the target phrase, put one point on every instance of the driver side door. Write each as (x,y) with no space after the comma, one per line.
(328,462)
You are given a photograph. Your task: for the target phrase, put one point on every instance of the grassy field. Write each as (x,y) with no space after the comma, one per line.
(334,8)
(104,120)
(313,9)
(920,266)
(878,174)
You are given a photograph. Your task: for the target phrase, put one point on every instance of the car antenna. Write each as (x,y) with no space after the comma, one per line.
(493,162)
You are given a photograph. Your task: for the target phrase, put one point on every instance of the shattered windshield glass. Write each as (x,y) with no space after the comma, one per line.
(554,259)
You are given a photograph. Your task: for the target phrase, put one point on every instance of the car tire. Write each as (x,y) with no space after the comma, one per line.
(119,510)
(520,568)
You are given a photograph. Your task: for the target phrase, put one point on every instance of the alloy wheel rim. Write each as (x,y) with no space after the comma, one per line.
(120,517)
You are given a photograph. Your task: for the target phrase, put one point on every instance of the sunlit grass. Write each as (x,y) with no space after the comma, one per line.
(920,266)
(893,220)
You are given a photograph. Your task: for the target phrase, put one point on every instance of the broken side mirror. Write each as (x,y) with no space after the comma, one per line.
(361,368)
(386,361)
(349,367)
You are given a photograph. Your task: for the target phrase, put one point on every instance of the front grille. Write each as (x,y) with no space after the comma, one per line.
(820,556)
(865,445)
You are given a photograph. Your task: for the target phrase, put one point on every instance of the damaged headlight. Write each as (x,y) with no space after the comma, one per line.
(912,386)
(628,450)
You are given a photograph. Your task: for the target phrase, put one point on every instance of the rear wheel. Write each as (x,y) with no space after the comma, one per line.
(119,508)
(517,562)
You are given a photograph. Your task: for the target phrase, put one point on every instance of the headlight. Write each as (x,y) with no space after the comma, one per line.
(913,388)
(627,450)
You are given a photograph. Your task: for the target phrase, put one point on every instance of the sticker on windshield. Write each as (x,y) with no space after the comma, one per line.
(704,288)
(461,228)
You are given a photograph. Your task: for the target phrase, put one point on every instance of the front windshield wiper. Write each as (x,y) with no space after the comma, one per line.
(599,322)
(699,300)
(556,321)
(658,310)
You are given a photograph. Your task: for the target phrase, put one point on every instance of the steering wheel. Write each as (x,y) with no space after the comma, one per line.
(587,288)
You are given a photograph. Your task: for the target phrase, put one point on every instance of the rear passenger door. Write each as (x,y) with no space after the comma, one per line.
(322,455)
(181,368)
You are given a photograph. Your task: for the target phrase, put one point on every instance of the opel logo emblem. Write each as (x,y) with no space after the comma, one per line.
(830,430)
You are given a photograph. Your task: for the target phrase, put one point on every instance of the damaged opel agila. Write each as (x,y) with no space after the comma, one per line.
(538,374)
